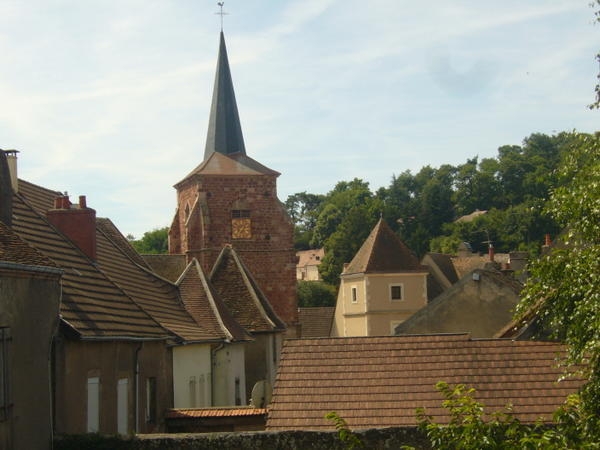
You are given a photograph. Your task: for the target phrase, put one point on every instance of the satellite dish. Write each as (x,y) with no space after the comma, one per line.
(261,394)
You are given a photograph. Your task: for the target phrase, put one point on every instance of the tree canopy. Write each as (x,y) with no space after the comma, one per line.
(152,242)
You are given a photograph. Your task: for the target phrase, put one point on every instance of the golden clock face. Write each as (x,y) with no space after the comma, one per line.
(241,228)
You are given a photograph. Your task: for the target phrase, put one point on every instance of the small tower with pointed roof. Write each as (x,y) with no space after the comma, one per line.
(383,285)
(231,199)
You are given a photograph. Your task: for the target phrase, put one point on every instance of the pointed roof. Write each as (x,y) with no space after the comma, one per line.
(224,128)
(235,165)
(383,251)
(234,283)
(207,308)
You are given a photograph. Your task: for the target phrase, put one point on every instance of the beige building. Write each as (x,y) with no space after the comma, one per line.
(382,286)
(307,268)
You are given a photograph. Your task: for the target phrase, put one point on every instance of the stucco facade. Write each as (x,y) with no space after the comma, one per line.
(383,285)
(29,302)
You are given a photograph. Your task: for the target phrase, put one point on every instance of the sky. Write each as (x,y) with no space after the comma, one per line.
(110,98)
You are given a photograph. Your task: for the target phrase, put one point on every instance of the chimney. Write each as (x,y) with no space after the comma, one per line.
(547,240)
(6,194)
(491,251)
(11,157)
(76,222)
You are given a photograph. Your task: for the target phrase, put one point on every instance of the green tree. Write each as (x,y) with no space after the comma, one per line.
(315,293)
(152,242)
(564,285)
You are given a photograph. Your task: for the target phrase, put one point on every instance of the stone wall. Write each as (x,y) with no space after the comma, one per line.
(377,439)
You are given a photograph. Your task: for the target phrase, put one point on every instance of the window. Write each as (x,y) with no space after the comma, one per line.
(354,295)
(240,213)
(123,406)
(93,404)
(5,340)
(151,400)
(396,292)
(238,398)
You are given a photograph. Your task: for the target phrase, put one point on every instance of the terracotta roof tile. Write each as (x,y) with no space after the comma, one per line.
(182,413)
(205,305)
(91,304)
(316,321)
(14,250)
(380,381)
(383,251)
(167,266)
(310,257)
(156,296)
(234,283)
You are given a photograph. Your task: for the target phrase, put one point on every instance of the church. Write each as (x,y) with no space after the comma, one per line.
(230,199)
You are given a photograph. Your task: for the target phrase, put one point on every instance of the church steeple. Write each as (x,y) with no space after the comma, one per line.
(224,128)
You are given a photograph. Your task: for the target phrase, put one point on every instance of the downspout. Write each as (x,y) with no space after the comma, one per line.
(213,354)
(136,382)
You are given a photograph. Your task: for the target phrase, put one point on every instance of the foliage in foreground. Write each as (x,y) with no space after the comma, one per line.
(563,289)
(347,436)
(471,428)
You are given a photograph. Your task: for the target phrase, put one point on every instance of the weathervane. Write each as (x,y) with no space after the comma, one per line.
(221,13)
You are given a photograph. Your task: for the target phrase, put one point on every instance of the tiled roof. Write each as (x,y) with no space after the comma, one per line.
(310,257)
(202,302)
(41,198)
(237,164)
(156,296)
(240,293)
(92,305)
(167,266)
(316,321)
(465,264)
(376,382)
(444,264)
(237,411)
(383,251)
(470,217)
(14,250)
(481,304)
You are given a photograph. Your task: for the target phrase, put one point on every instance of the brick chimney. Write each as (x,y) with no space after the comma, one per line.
(491,252)
(76,222)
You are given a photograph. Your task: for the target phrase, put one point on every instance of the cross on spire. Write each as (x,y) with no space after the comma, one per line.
(221,13)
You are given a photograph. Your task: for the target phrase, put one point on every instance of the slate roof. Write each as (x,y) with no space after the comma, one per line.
(234,283)
(465,264)
(375,382)
(224,128)
(316,321)
(383,252)
(157,296)
(202,302)
(92,305)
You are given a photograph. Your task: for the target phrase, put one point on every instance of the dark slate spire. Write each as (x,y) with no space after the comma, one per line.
(224,128)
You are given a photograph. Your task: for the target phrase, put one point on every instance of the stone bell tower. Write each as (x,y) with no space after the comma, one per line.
(232,199)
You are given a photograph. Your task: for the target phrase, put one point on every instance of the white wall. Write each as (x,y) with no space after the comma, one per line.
(192,385)
(229,366)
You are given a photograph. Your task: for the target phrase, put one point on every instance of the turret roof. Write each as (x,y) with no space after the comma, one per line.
(224,128)
(383,251)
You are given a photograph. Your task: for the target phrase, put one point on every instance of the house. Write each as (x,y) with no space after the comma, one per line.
(235,284)
(383,285)
(481,304)
(30,293)
(231,199)
(307,268)
(131,344)
(377,382)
